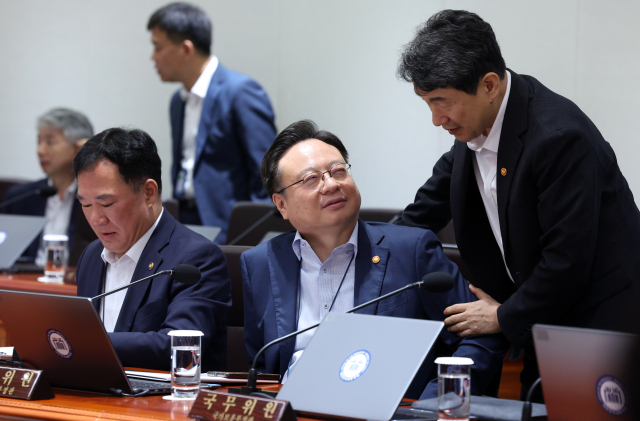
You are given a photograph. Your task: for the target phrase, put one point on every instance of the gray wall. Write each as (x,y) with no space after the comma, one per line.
(332,61)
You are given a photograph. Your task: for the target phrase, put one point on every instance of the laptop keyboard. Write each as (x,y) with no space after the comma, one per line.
(151,386)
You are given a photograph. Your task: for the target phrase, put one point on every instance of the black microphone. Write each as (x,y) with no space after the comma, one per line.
(46,191)
(435,282)
(186,274)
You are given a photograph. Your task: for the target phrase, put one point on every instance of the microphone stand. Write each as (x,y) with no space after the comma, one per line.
(19,198)
(162,272)
(252,377)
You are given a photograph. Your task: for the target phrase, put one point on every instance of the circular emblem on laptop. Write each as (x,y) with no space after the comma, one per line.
(355,365)
(611,395)
(59,344)
(3,236)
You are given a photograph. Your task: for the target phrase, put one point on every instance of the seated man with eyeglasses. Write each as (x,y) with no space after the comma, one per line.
(335,261)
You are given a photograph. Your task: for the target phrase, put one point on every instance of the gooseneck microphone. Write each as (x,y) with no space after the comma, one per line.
(435,282)
(46,191)
(186,274)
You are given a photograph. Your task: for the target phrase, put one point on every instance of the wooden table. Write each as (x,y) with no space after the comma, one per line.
(71,405)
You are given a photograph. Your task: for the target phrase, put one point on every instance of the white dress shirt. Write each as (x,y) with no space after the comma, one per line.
(485,166)
(192,113)
(119,273)
(319,283)
(58,213)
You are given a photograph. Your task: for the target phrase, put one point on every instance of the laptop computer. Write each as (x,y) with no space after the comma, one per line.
(583,372)
(16,233)
(210,233)
(359,366)
(64,336)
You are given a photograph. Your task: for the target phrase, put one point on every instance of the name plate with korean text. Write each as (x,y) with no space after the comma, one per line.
(218,406)
(23,383)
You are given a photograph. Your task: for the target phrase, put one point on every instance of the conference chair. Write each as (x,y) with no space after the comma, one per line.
(171,205)
(6,183)
(237,357)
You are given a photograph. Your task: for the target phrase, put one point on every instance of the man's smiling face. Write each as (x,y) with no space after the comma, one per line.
(334,206)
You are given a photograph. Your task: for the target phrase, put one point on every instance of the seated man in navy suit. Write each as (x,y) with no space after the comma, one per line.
(336,261)
(61,133)
(119,187)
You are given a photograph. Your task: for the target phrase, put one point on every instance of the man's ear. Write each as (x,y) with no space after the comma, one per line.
(150,188)
(490,83)
(280,202)
(188,48)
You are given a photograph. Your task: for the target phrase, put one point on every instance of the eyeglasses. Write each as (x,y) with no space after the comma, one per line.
(315,180)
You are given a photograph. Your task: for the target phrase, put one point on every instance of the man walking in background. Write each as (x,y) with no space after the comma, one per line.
(222,122)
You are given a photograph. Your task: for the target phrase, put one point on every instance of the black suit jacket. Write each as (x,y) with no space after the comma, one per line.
(79,232)
(569,224)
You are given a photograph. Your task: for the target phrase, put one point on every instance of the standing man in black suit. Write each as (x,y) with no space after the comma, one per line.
(543,217)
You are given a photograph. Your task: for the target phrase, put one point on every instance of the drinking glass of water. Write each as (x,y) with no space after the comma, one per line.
(55,254)
(454,383)
(185,363)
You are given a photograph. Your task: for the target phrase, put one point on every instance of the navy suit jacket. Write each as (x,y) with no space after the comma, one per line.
(569,224)
(236,129)
(79,232)
(155,307)
(270,274)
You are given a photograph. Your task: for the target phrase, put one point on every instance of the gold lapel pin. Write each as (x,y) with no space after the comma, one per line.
(503,172)
(150,265)
(376,259)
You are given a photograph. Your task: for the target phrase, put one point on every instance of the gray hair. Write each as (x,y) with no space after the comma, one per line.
(74,125)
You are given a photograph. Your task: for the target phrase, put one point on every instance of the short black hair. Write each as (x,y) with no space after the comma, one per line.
(297,132)
(184,21)
(454,48)
(133,151)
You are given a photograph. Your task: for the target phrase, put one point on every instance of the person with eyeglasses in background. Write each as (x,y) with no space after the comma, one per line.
(335,261)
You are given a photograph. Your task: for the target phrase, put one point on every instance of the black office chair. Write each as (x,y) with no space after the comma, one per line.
(379,214)
(249,222)
(6,183)
(237,357)
(171,205)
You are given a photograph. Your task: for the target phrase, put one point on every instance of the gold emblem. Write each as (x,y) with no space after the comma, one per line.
(150,265)
(503,172)
(376,259)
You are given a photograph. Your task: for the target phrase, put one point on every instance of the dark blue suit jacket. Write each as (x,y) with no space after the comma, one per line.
(36,205)
(155,307)
(236,129)
(270,282)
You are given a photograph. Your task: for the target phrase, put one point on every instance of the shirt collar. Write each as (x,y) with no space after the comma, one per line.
(71,190)
(353,240)
(201,86)
(136,250)
(492,141)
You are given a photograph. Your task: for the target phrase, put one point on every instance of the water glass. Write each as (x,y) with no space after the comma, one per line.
(185,363)
(454,383)
(55,255)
